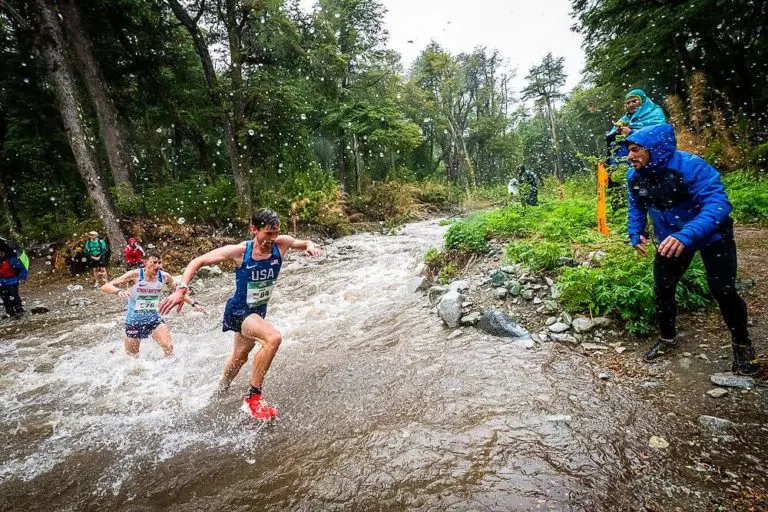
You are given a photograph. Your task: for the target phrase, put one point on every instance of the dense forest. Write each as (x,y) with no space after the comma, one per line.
(199,110)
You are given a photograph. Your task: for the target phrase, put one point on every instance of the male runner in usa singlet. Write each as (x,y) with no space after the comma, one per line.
(258,265)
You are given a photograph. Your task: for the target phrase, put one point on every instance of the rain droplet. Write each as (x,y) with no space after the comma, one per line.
(251,133)
(181,220)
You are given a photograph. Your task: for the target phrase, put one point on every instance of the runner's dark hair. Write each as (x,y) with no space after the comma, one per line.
(264,218)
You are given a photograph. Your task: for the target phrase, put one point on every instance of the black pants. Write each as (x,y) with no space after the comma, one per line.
(720,263)
(11,299)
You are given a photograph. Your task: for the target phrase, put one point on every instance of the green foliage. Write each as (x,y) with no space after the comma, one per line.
(622,286)
(194,200)
(431,256)
(447,273)
(466,236)
(537,254)
(749,195)
(127,201)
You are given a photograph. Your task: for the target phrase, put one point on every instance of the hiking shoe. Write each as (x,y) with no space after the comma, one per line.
(660,349)
(745,361)
(258,409)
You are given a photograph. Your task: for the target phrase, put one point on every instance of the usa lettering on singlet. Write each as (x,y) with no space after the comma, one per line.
(261,282)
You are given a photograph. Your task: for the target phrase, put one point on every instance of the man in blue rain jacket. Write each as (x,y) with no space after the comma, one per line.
(690,211)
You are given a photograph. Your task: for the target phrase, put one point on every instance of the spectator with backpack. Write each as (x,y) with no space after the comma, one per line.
(13,270)
(96,250)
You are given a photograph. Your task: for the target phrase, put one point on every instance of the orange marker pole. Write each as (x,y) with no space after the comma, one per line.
(602,185)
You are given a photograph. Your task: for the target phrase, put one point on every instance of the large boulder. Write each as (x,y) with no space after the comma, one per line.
(449,308)
(499,323)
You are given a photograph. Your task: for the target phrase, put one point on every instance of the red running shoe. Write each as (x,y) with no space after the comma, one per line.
(258,409)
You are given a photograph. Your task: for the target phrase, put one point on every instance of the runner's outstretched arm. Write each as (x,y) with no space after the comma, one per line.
(286,242)
(189,300)
(127,278)
(176,299)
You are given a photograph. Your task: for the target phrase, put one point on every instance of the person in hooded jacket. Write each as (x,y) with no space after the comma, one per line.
(12,272)
(641,112)
(133,254)
(690,211)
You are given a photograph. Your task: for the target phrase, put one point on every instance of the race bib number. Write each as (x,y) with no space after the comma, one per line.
(146,303)
(259,292)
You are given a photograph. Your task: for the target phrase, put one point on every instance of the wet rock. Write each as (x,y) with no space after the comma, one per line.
(435,292)
(685,363)
(566,262)
(601,321)
(74,288)
(39,310)
(717,392)
(687,354)
(716,424)
(550,321)
(656,371)
(499,323)
(527,294)
(470,319)
(79,302)
(566,318)
(550,306)
(555,293)
(536,300)
(501,293)
(449,308)
(455,334)
(44,368)
(458,286)
(498,278)
(594,346)
(596,256)
(328,241)
(563,338)
(745,284)
(658,443)
(559,327)
(209,271)
(730,380)
(514,288)
(582,324)
(605,376)
(549,281)
(509,269)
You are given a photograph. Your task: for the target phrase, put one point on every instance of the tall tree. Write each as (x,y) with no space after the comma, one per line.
(111,128)
(50,40)
(545,82)
(241,172)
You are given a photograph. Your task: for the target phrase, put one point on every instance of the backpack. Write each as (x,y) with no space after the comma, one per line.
(12,248)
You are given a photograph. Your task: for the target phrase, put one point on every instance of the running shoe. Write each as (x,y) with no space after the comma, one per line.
(660,349)
(745,362)
(258,409)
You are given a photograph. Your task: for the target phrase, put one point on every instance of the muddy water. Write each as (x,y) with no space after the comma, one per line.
(379,410)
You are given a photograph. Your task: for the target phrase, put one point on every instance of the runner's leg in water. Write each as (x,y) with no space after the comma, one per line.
(162,336)
(132,346)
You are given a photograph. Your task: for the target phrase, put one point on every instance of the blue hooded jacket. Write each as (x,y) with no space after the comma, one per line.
(682,193)
(20,271)
(647,114)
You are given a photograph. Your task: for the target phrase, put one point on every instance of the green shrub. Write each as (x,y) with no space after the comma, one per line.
(749,195)
(195,200)
(622,286)
(537,254)
(447,272)
(128,202)
(431,256)
(467,235)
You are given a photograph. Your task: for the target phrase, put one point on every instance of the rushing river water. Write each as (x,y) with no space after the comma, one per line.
(379,410)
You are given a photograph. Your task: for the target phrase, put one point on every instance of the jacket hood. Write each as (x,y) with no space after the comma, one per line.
(659,140)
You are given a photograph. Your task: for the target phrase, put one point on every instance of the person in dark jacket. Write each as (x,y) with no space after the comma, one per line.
(530,180)
(690,211)
(12,272)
